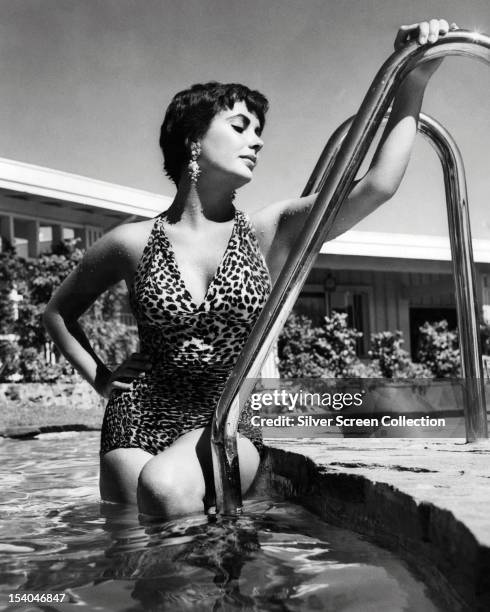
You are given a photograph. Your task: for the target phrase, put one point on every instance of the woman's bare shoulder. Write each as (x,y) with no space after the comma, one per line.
(119,249)
(268,218)
(131,238)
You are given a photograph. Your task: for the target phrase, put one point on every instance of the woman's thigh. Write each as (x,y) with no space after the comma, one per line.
(175,481)
(249,459)
(180,479)
(197,444)
(119,472)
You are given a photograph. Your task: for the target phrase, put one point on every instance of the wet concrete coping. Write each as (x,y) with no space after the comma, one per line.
(428,500)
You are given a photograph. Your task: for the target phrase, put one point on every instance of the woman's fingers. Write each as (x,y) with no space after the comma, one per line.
(403,36)
(117,384)
(423,32)
(129,372)
(139,357)
(443,27)
(433,30)
(135,366)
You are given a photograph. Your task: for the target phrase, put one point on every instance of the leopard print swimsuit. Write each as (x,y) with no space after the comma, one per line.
(192,348)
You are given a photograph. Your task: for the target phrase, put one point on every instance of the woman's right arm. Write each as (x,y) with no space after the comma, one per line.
(104,264)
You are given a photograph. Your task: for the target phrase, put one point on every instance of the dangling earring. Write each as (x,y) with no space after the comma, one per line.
(193,166)
(233,196)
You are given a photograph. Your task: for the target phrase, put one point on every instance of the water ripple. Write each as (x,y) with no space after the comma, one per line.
(56,536)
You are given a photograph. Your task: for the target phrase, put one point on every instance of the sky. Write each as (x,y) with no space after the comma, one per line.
(85,84)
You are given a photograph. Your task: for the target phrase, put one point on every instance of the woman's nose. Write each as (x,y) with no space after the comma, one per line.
(257,144)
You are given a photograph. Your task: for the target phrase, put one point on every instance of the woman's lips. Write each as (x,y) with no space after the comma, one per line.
(251,160)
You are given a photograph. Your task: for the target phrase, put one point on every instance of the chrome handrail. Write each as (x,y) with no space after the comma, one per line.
(463,267)
(334,174)
(475,410)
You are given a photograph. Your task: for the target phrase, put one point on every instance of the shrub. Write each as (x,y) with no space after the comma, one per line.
(439,350)
(111,340)
(485,338)
(9,358)
(392,359)
(36,280)
(361,369)
(33,368)
(327,351)
(296,350)
(337,343)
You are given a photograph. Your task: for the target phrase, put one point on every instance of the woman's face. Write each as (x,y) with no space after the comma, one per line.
(231,145)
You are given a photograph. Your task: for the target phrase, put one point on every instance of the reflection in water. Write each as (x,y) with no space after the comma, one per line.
(55,536)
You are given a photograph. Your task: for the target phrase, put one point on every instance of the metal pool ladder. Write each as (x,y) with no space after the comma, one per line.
(333,177)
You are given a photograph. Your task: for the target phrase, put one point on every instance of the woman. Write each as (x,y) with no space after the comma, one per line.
(198,276)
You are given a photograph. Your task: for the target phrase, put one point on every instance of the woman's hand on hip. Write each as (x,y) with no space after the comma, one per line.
(424,32)
(135,366)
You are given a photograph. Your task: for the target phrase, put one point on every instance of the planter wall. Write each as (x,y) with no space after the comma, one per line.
(79,394)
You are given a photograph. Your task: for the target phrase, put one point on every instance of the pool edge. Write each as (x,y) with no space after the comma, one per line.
(404,508)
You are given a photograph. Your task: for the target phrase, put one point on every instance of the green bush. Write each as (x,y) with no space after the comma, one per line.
(9,359)
(327,351)
(111,340)
(438,350)
(485,338)
(392,359)
(296,350)
(33,368)
(12,274)
(337,343)
(36,280)
(363,369)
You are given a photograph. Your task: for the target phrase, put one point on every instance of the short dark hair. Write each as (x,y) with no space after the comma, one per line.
(190,113)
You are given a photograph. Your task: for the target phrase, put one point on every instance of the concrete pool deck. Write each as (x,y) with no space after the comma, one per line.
(428,500)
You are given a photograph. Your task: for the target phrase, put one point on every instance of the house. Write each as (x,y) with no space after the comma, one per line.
(382,281)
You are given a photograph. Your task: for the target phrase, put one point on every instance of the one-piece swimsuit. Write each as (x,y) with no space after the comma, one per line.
(192,348)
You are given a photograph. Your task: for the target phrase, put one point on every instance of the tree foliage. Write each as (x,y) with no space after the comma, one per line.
(438,349)
(36,280)
(326,351)
(393,360)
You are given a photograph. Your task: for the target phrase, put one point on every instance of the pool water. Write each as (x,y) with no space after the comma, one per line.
(56,537)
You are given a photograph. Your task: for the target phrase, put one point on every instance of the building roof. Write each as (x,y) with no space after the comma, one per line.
(400,246)
(47,183)
(52,184)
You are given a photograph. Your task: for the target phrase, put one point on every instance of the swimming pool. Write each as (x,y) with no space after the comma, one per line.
(55,537)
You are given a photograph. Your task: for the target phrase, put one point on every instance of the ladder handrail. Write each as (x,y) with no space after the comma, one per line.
(475,410)
(335,186)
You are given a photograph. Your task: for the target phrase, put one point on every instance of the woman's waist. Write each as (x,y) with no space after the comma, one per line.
(173,382)
(187,366)
(194,356)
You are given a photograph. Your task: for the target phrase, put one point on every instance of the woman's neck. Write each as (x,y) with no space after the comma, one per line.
(195,205)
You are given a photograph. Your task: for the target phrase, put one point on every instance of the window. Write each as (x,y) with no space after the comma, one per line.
(311,304)
(315,302)
(354,301)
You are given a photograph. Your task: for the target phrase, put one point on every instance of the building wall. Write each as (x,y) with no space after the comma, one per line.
(387,297)
(24,221)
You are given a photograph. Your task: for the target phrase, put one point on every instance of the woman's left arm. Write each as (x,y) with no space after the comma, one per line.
(393,152)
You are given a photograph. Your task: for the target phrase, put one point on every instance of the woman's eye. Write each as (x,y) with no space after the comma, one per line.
(238,128)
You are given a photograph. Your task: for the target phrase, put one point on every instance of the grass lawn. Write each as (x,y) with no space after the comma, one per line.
(24,414)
